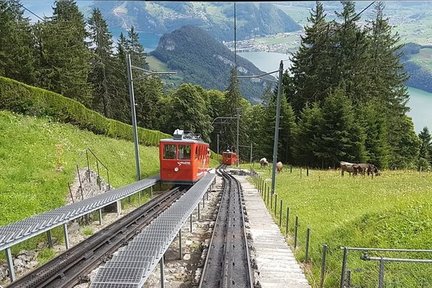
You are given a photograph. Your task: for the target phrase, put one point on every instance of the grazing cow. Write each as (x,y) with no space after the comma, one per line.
(361,168)
(279,167)
(347,167)
(372,169)
(263,162)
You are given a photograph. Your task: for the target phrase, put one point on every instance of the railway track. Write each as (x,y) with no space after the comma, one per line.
(228,262)
(67,269)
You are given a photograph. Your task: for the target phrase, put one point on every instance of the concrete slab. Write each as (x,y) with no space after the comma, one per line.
(275,260)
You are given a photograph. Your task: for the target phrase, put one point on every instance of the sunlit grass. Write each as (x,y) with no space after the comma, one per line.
(390,211)
(39,158)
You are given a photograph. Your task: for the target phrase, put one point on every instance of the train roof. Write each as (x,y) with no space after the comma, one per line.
(184,136)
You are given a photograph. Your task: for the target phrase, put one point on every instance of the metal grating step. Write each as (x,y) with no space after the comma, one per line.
(17,232)
(150,245)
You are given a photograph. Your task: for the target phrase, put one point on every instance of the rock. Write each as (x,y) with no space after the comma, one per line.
(73,227)
(186,257)
(18,262)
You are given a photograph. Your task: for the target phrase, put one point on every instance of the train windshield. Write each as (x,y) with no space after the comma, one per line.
(184,152)
(170,151)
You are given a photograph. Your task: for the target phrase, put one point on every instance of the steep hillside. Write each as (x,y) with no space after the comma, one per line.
(202,60)
(253,19)
(38,162)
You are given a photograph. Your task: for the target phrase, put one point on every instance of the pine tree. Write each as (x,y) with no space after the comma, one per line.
(232,108)
(375,127)
(136,50)
(388,83)
(120,102)
(350,58)
(102,63)
(425,155)
(64,55)
(342,139)
(307,145)
(17,59)
(312,63)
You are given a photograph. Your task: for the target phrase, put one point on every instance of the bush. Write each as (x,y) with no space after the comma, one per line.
(24,99)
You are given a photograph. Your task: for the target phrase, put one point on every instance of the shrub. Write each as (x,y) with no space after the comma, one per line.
(29,100)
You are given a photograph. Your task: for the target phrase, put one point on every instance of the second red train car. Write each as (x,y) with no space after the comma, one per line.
(229,158)
(184,159)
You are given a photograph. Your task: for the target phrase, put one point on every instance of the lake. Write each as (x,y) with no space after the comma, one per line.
(420,101)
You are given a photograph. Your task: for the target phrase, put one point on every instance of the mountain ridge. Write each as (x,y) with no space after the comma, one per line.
(202,60)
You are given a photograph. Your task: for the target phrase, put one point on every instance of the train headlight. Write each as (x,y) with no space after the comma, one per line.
(176,169)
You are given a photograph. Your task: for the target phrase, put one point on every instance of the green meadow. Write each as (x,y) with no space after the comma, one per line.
(393,210)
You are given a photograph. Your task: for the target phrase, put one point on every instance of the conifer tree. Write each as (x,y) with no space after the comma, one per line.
(307,145)
(120,98)
(341,137)
(425,154)
(64,55)
(102,63)
(375,127)
(388,84)
(312,63)
(350,57)
(16,43)
(232,107)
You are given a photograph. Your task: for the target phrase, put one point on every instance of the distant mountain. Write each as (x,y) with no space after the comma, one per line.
(199,58)
(153,17)
(420,72)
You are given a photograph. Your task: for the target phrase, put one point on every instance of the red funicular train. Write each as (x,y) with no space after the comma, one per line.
(229,158)
(184,159)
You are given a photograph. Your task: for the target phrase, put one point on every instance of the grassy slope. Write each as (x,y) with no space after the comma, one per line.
(31,150)
(393,210)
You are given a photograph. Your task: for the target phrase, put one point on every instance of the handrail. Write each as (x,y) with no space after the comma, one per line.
(97,164)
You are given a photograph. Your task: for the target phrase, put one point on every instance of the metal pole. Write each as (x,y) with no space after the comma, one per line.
(88,165)
(307,244)
(280,213)
(295,232)
(323,265)
(180,244)
(49,236)
(162,272)
(10,264)
(345,255)
(199,216)
(133,115)
(190,223)
(100,216)
(217,143)
(237,141)
(66,236)
(381,274)
(276,133)
(251,154)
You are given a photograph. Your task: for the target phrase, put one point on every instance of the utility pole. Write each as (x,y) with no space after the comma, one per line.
(133,114)
(237,141)
(133,107)
(217,143)
(276,133)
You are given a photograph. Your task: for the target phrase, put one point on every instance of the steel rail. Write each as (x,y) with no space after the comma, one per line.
(68,269)
(227,263)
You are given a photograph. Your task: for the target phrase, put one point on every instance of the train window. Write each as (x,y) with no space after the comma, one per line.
(169,151)
(196,152)
(184,152)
